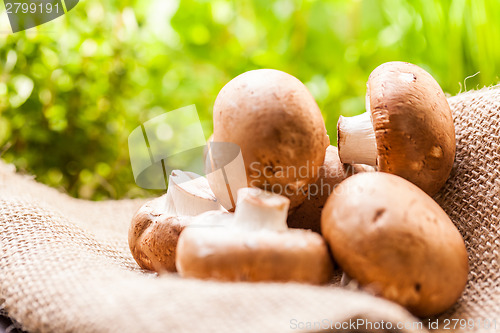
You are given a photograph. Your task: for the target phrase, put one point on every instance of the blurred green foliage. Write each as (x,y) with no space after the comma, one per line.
(72,90)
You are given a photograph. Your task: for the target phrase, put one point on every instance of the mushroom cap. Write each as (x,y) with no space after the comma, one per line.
(392,238)
(331,173)
(277,124)
(413,125)
(232,254)
(153,236)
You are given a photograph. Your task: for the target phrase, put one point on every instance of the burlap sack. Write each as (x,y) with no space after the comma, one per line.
(65,264)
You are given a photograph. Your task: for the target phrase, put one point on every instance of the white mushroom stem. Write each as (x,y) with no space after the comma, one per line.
(356,140)
(257,209)
(189,194)
(347,282)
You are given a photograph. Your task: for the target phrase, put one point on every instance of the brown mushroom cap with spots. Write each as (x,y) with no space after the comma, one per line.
(254,245)
(331,173)
(277,124)
(407,129)
(396,242)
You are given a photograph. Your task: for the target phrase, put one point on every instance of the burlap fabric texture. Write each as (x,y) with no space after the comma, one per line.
(65,265)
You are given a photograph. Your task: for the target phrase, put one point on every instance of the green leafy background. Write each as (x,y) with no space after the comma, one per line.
(72,90)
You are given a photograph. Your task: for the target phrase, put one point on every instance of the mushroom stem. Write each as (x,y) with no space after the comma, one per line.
(257,209)
(189,194)
(356,140)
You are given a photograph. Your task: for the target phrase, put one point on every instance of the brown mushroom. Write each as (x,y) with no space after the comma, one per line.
(279,128)
(156,226)
(254,245)
(407,129)
(396,242)
(331,173)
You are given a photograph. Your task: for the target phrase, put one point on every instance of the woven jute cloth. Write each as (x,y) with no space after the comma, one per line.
(65,265)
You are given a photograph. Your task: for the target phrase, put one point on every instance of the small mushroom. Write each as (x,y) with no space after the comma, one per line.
(156,226)
(396,242)
(279,128)
(407,129)
(331,173)
(254,245)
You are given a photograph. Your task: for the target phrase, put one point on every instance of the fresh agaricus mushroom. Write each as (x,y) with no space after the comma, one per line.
(407,129)
(279,128)
(331,173)
(156,226)
(396,242)
(254,245)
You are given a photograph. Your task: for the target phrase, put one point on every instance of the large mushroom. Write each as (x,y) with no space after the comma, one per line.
(156,226)
(407,129)
(279,128)
(331,173)
(395,241)
(254,245)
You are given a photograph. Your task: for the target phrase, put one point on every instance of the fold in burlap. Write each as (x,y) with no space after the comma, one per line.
(65,263)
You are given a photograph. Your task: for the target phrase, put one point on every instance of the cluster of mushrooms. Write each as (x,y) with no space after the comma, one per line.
(376,221)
